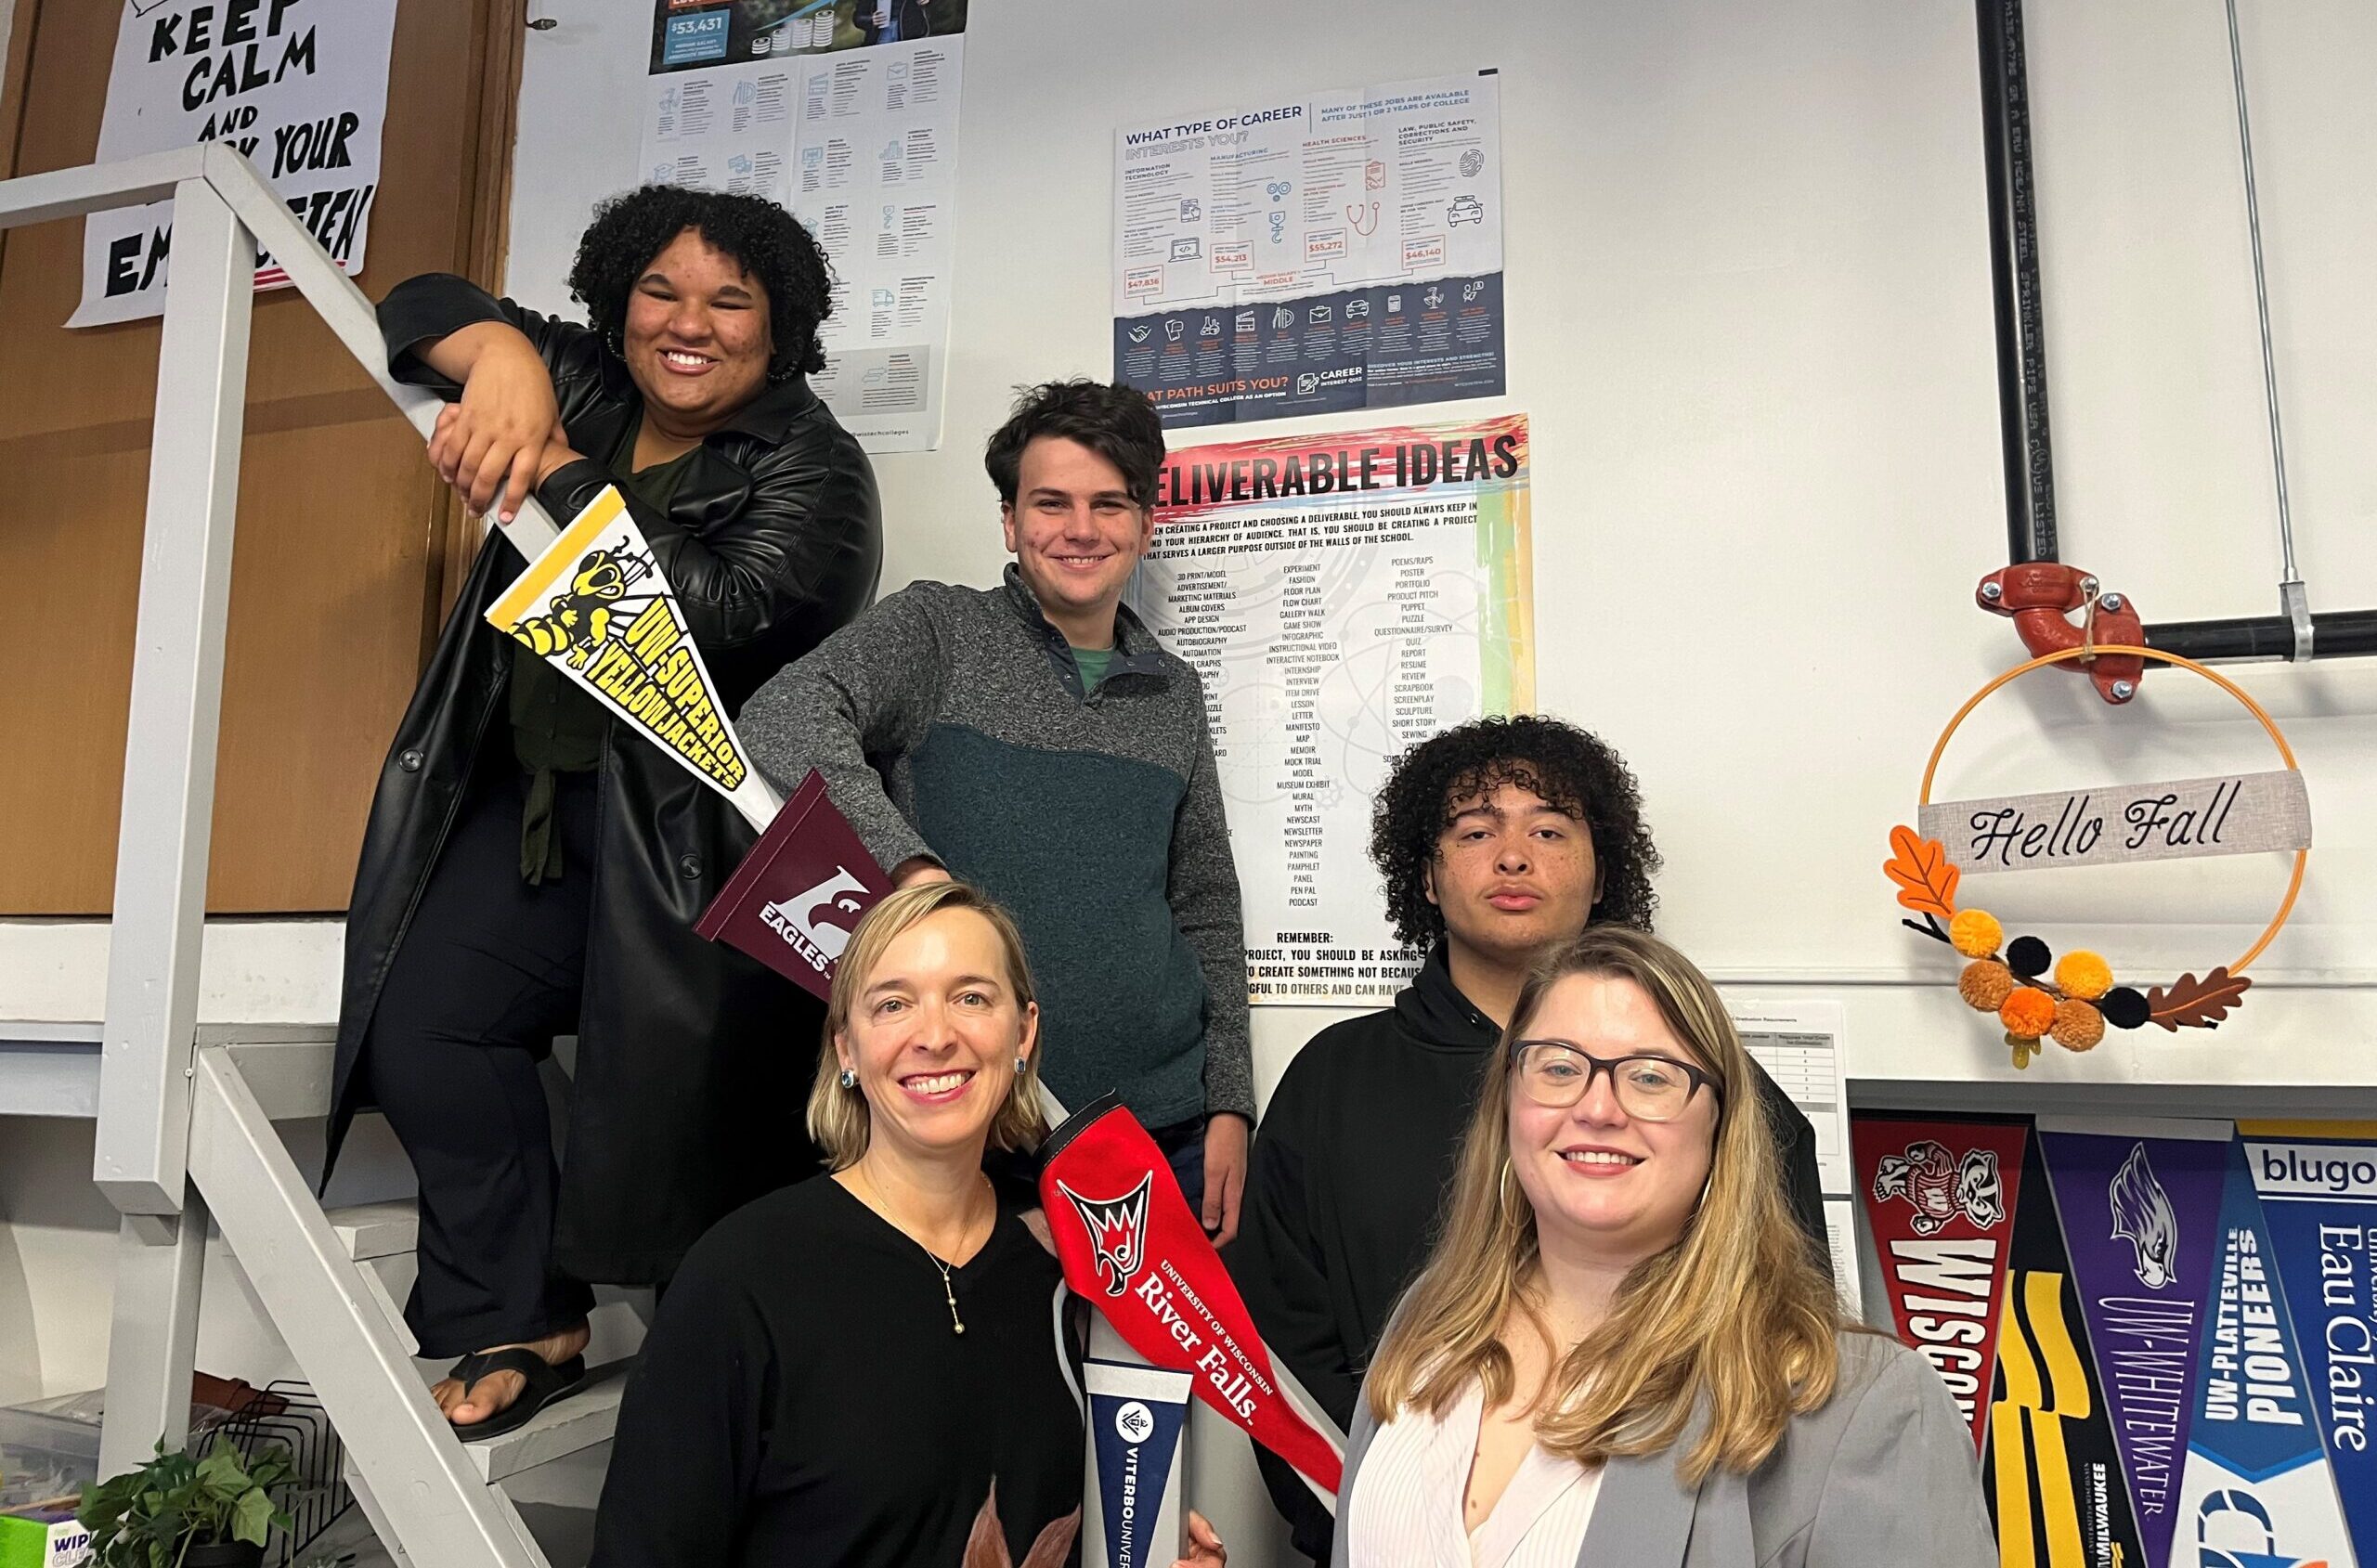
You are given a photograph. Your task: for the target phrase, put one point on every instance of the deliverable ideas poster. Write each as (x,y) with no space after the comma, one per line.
(1312,254)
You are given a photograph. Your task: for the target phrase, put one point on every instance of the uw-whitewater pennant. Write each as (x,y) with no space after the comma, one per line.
(2140,1206)
(596,606)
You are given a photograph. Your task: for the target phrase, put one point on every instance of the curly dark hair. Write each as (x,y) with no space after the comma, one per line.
(629,229)
(1117,423)
(1574,771)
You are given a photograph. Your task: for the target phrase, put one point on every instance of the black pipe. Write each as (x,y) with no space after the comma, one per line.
(2335,634)
(2014,284)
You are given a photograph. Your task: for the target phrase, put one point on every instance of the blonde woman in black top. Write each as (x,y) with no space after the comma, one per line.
(841,1370)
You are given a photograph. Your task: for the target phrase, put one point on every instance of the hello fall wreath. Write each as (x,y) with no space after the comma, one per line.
(2072,1000)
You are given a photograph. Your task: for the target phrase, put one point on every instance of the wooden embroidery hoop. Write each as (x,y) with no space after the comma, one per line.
(2089,651)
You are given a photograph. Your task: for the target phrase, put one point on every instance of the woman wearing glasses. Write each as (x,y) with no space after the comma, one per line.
(1620,1352)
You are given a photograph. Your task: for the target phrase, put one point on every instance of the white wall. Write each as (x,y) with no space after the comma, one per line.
(1747,267)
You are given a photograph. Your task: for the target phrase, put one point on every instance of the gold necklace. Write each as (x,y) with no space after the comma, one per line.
(948,1288)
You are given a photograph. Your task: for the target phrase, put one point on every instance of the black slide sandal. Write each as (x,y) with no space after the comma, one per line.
(545,1381)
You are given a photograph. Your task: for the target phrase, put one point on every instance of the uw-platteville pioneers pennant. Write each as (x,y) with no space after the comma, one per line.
(596,606)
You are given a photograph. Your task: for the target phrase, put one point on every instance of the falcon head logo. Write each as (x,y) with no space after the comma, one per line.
(2143,1217)
(1118,1231)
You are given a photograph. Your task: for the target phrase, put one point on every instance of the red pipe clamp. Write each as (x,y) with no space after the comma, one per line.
(2042,595)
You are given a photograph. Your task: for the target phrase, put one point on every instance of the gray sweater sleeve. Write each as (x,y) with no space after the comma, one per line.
(869,689)
(1202,890)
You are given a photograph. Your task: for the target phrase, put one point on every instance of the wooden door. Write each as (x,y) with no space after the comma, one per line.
(343,533)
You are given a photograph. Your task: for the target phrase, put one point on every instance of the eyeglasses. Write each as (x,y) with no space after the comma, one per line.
(1648,1088)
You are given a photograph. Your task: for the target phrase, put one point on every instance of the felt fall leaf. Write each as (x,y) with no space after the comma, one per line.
(1925,877)
(986,1543)
(2193,1004)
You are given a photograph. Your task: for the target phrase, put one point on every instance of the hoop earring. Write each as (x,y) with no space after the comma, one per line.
(778,377)
(1503,1189)
(849,1078)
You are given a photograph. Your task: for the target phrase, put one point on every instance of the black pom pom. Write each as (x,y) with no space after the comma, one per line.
(2122,1007)
(2028,957)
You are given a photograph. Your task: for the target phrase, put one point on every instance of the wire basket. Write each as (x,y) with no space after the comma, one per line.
(287,1413)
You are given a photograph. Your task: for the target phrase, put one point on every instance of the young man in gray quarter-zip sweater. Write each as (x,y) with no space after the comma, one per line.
(1033,739)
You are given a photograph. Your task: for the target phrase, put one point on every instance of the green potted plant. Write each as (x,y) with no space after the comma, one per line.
(176,1512)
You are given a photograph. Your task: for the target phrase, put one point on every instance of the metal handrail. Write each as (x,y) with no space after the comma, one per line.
(223,211)
(149,1064)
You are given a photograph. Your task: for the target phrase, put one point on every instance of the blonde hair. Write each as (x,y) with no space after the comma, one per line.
(1735,1315)
(839,1119)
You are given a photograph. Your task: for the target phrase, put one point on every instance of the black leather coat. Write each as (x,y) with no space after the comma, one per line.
(694,1062)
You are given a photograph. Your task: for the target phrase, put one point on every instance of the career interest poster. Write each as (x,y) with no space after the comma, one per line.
(1342,597)
(1312,254)
(299,88)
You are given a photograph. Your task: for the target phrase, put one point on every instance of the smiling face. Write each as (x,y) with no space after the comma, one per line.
(1605,1186)
(697,336)
(1512,873)
(933,1035)
(1076,535)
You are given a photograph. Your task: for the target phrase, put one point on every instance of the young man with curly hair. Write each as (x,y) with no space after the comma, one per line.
(1496,838)
(1035,740)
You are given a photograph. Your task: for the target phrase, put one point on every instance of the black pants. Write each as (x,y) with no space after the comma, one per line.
(487,975)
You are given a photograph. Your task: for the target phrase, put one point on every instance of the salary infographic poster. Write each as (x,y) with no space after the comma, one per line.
(300,87)
(2139,1203)
(1938,1194)
(2053,1474)
(1342,597)
(1311,255)
(2317,1185)
(2258,1485)
(845,112)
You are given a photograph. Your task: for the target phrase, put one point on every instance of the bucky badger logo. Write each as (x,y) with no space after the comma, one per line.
(1938,1189)
(1118,1231)
(2144,1218)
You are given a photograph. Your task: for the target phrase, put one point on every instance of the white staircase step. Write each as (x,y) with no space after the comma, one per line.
(585,1419)
(377,1230)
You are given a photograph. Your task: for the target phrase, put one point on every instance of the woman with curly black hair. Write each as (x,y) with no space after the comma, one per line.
(532,869)
(1498,840)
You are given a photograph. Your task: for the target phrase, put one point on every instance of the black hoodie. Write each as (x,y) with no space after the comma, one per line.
(1351,1159)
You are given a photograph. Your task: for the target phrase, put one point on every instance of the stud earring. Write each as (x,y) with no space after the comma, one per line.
(1021,1061)
(849,1078)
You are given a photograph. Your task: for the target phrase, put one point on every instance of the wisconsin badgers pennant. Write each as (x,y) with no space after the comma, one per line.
(1939,1193)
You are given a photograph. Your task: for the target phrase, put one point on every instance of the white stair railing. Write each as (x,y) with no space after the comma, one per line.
(184,1127)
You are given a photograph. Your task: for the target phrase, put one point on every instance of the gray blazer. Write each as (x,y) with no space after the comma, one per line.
(1884,1473)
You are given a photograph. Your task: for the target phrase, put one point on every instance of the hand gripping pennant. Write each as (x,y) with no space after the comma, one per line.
(1129,1245)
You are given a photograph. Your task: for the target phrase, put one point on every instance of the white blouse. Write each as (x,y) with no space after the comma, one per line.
(1407,1506)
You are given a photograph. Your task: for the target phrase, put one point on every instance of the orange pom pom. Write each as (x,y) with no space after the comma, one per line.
(2084,975)
(2027,1012)
(1975,933)
(1985,984)
(2078,1026)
